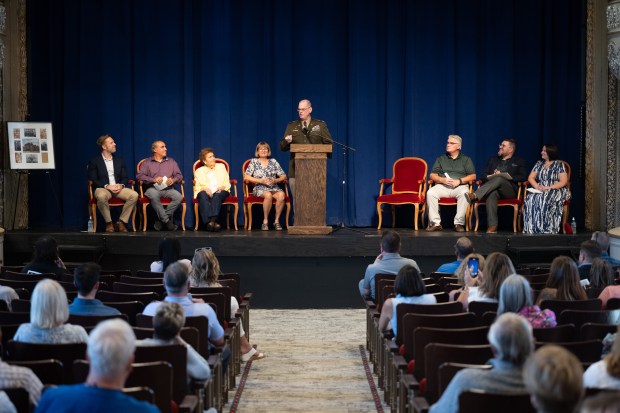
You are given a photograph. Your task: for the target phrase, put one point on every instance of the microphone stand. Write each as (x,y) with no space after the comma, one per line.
(341,224)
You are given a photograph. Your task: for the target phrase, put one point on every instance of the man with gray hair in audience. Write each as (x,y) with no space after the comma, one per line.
(602,239)
(111,347)
(176,281)
(512,343)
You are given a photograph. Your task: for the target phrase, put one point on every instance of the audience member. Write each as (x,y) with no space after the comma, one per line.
(603,402)
(462,248)
(452,173)
(542,213)
(553,377)
(563,282)
(45,259)
(605,374)
(388,261)
(159,173)
(601,274)
(86,279)
(205,273)
(485,286)
(460,271)
(176,282)
(409,289)
(266,174)
(588,251)
(515,296)
(49,312)
(168,321)
(111,348)
(169,251)
(602,239)
(512,342)
(611,290)
(16,377)
(6,406)
(7,294)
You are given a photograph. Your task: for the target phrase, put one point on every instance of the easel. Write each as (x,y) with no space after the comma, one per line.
(20,173)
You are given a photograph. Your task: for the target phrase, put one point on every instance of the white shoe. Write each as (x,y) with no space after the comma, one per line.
(252,355)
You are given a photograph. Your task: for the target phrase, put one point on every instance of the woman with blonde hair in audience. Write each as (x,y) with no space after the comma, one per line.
(410,289)
(485,286)
(563,282)
(460,271)
(49,312)
(515,296)
(205,273)
(605,374)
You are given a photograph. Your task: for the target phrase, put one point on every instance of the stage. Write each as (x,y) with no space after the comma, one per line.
(291,271)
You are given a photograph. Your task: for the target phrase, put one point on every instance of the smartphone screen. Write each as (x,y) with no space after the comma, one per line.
(473,266)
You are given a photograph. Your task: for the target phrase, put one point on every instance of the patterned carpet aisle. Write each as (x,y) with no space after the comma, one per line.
(312,363)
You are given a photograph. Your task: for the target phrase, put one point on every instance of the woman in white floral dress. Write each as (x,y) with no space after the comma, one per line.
(266,173)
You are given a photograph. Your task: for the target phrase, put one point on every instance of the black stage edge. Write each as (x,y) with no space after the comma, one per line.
(292,271)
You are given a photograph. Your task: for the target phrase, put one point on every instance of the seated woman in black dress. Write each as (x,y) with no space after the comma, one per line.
(45,259)
(266,173)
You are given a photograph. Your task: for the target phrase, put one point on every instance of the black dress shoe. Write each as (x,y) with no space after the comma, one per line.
(210,226)
(157,225)
(170,226)
(216,227)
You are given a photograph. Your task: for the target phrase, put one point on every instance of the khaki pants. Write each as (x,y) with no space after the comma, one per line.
(128,195)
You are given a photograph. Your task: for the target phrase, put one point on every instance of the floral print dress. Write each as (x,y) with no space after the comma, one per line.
(257,170)
(543,212)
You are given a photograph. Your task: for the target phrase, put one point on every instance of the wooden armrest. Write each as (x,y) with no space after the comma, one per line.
(189,403)
(399,362)
(420,405)
(410,381)
(385,181)
(233,181)
(392,346)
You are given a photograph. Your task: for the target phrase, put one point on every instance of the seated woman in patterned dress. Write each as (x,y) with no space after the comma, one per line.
(266,173)
(515,296)
(543,208)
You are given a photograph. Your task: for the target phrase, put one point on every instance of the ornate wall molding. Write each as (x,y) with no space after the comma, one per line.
(588,193)
(612,200)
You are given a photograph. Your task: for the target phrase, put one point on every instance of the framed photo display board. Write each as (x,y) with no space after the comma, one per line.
(31,145)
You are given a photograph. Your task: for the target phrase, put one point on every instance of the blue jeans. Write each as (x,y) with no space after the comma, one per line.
(209,208)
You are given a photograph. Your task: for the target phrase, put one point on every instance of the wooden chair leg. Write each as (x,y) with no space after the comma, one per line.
(184,210)
(393,216)
(380,215)
(416,209)
(133,218)
(236,208)
(515,214)
(93,215)
(197,217)
(144,217)
(476,215)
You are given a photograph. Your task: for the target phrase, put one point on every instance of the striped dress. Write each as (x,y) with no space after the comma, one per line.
(543,212)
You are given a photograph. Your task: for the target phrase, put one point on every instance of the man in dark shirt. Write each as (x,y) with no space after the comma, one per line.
(500,179)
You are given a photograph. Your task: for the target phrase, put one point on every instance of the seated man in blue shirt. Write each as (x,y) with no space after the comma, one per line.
(462,249)
(86,279)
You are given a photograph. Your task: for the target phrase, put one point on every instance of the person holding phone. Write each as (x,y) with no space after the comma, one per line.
(484,286)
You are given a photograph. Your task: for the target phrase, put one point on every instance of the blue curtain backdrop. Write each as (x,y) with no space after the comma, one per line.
(391,79)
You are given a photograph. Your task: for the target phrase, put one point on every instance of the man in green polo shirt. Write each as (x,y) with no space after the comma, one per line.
(452,173)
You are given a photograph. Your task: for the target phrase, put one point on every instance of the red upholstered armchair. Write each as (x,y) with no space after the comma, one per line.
(250,200)
(112,202)
(515,203)
(408,188)
(145,201)
(231,201)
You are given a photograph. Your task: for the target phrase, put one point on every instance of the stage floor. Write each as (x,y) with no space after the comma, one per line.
(291,271)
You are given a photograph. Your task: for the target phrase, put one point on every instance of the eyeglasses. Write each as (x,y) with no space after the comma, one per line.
(203,249)
(452,143)
(302,109)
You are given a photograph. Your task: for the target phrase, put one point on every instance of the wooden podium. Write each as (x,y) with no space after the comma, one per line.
(310,189)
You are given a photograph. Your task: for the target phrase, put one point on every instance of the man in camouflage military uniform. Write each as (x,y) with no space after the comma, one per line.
(304,130)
